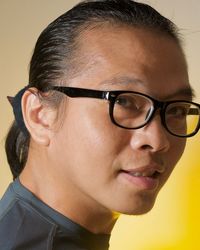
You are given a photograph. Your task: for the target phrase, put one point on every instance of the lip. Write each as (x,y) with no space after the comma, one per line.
(147,167)
(143,182)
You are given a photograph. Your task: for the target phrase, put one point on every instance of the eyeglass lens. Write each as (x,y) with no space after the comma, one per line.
(134,110)
(182,118)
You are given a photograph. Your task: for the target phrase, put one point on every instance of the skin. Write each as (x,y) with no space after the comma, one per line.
(76,168)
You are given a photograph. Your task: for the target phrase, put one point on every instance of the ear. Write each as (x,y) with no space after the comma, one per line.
(38,118)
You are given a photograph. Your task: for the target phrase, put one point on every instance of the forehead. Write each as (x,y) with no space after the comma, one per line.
(112,54)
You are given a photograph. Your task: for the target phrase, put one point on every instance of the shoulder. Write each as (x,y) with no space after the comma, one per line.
(21,225)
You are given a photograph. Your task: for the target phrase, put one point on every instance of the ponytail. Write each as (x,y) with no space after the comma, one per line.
(16,146)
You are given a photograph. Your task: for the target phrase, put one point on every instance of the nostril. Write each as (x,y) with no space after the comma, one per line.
(146,146)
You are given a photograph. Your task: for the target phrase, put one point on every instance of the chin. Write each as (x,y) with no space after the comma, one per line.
(137,211)
(138,206)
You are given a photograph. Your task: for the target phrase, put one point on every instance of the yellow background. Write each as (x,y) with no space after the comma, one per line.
(174,221)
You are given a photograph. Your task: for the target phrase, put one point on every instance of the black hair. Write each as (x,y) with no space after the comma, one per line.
(56,53)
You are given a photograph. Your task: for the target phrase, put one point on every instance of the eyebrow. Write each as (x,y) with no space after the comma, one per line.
(187,92)
(122,80)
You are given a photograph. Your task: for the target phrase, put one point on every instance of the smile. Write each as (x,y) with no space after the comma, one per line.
(151,173)
(143,178)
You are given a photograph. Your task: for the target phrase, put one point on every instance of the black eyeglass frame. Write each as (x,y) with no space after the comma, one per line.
(112,95)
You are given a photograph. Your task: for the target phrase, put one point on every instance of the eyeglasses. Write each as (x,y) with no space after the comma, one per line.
(133,110)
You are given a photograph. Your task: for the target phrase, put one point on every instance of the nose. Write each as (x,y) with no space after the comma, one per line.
(152,137)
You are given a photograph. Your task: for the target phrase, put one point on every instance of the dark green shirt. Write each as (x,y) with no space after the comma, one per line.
(26,223)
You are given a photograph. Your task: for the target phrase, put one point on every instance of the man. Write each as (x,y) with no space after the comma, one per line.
(98,129)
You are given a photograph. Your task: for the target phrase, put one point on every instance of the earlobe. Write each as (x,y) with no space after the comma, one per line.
(36,118)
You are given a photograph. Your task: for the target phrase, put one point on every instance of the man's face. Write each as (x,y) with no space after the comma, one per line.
(106,166)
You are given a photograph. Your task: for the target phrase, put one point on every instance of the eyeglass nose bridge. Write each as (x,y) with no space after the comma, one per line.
(159,108)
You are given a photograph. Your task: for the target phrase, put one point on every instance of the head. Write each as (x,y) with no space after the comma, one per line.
(103,45)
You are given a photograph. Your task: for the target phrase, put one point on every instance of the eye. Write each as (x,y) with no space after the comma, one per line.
(179,111)
(128,102)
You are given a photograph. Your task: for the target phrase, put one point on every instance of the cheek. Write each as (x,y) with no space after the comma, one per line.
(91,142)
(177,149)
(174,154)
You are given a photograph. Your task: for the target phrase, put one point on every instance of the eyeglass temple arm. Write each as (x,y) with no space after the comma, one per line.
(193,111)
(78,92)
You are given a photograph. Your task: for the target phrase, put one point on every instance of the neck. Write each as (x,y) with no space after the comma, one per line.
(62,196)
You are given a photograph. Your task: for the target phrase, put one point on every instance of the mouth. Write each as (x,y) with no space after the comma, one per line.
(146,178)
(150,174)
